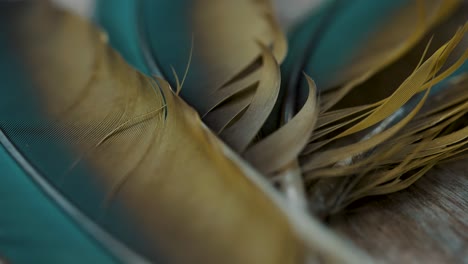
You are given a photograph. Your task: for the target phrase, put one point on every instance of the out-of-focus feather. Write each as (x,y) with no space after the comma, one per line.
(129,153)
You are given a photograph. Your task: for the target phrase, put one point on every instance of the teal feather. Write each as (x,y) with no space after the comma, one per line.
(34,228)
(37,227)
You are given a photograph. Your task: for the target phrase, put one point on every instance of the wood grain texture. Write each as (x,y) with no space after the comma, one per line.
(426,223)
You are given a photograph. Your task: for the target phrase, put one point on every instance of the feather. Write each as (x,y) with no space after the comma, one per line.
(134,158)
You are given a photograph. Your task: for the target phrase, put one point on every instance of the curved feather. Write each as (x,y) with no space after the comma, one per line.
(289,140)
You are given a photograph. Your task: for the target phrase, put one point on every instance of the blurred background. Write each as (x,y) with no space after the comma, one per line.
(289,11)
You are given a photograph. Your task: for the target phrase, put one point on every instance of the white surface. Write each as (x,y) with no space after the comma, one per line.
(289,11)
(81,7)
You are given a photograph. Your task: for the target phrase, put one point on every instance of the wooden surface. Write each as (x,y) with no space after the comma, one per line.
(426,223)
